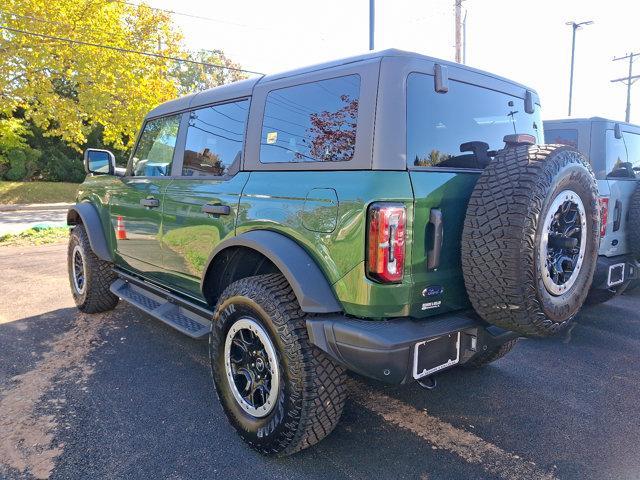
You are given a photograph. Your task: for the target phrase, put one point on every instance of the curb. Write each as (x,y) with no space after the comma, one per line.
(35,206)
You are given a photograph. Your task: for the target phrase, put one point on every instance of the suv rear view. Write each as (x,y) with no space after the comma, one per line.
(613,148)
(391,214)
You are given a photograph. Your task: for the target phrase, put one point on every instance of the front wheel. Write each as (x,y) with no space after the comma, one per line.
(279,392)
(89,277)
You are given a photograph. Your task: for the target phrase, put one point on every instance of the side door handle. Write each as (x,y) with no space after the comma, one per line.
(150,202)
(211,209)
(433,254)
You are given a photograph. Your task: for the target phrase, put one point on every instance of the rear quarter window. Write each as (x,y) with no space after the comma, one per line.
(632,142)
(616,155)
(459,129)
(312,122)
(562,136)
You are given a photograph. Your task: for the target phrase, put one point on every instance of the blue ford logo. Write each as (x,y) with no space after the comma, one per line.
(432,290)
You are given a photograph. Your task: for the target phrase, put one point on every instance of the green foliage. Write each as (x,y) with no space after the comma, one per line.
(58,98)
(192,77)
(37,192)
(35,236)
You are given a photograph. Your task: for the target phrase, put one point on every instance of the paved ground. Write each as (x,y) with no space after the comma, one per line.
(16,221)
(121,395)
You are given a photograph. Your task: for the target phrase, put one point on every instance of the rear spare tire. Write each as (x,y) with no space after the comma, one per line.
(530,238)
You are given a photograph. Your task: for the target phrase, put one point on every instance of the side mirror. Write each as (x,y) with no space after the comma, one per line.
(100,162)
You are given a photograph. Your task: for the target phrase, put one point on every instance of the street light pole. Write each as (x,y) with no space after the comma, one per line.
(574,26)
(372,23)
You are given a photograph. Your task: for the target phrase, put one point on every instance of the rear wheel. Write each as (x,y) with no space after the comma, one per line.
(530,238)
(90,277)
(633,225)
(491,355)
(280,392)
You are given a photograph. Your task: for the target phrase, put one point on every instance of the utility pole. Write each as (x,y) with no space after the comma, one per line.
(629,79)
(464,38)
(574,26)
(458,6)
(372,23)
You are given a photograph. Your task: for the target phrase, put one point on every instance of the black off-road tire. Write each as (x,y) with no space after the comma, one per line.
(491,355)
(502,238)
(96,296)
(313,393)
(633,225)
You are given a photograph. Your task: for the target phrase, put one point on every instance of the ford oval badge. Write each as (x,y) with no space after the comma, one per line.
(432,290)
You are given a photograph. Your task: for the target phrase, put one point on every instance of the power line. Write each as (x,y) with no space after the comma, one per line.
(29,17)
(183,14)
(126,50)
(628,80)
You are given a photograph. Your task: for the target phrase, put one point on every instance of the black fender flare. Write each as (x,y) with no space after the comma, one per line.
(87,214)
(309,284)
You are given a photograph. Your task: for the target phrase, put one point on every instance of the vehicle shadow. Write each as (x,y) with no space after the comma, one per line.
(149,408)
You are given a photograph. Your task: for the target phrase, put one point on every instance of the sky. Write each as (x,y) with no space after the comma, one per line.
(526,41)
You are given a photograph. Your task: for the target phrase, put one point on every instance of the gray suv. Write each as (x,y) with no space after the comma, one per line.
(614,152)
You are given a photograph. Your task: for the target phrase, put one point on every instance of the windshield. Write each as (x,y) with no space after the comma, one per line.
(464,127)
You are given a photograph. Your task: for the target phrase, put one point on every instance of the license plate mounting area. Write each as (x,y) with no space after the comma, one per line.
(436,354)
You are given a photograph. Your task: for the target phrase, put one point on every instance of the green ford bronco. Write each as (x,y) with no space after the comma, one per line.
(389,214)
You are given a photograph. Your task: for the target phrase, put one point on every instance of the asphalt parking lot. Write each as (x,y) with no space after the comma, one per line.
(121,395)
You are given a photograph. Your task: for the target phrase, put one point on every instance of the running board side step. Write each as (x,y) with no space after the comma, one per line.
(186,317)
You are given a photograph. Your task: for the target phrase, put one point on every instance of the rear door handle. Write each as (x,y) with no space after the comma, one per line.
(433,255)
(617,216)
(216,209)
(150,202)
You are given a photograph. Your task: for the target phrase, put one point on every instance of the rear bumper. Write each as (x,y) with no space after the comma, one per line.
(602,278)
(385,349)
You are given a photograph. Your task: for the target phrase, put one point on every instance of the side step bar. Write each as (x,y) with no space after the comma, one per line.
(186,317)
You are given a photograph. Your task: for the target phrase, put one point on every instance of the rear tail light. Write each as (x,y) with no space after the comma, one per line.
(385,242)
(604,215)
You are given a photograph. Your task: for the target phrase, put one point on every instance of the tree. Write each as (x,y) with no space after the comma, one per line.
(69,90)
(333,134)
(192,77)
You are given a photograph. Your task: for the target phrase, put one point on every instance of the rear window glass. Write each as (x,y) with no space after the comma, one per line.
(462,128)
(314,122)
(632,142)
(214,139)
(562,136)
(616,156)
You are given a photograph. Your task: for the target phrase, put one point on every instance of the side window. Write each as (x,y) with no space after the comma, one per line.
(313,122)
(154,153)
(461,128)
(616,155)
(214,139)
(632,142)
(562,136)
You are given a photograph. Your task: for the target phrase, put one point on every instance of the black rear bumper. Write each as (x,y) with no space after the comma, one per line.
(601,277)
(384,349)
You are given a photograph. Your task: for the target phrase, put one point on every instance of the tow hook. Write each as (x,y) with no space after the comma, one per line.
(428,383)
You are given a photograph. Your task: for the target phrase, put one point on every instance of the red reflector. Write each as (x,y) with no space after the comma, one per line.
(385,248)
(604,215)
